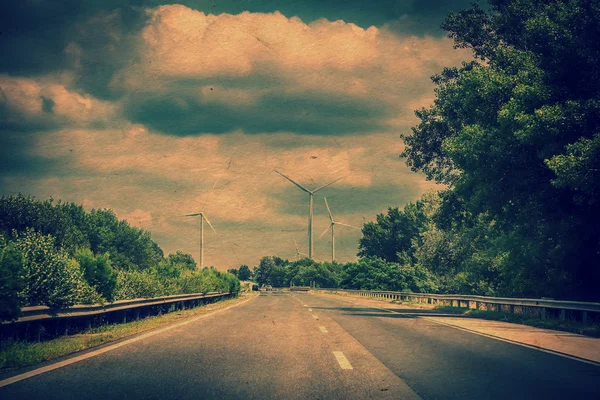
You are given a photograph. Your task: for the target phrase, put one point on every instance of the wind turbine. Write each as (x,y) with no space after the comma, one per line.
(332,226)
(202,218)
(310,208)
(298,253)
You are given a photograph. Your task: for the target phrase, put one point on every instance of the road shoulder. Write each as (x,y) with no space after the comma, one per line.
(563,343)
(8,375)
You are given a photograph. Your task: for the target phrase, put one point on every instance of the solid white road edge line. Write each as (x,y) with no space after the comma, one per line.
(106,349)
(529,346)
(342,360)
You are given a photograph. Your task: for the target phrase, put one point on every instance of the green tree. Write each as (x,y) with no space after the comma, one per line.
(377,274)
(391,236)
(233,271)
(184,260)
(12,282)
(272,271)
(97,272)
(514,134)
(244,273)
(52,278)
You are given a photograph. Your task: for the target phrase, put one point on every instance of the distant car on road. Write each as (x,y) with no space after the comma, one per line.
(255,288)
(269,287)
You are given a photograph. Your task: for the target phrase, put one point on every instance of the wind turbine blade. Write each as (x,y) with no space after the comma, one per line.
(192,215)
(297,184)
(328,209)
(329,184)
(351,226)
(211,227)
(210,191)
(325,231)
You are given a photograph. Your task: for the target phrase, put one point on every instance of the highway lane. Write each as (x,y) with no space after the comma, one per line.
(441,362)
(269,347)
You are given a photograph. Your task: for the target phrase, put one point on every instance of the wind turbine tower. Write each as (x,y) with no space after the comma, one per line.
(332,227)
(310,208)
(202,218)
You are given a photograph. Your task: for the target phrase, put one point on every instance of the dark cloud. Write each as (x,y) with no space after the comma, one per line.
(16,160)
(305,113)
(47,105)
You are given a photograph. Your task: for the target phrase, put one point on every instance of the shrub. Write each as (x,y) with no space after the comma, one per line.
(12,281)
(98,272)
(52,278)
(137,284)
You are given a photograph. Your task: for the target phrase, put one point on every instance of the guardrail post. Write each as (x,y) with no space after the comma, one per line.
(562,315)
(125,316)
(543,312)
(584,317)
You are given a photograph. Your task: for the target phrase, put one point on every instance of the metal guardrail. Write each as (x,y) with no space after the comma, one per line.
(500,304)
(41,313)
(300,289)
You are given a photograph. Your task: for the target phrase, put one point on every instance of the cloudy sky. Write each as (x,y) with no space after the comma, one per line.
(156,110)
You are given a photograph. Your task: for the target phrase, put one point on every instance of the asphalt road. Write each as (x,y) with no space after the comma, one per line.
(305,346)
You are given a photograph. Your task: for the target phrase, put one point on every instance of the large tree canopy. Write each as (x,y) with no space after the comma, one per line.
(516,136)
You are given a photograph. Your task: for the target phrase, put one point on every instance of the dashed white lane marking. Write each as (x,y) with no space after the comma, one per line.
(310,309)
(315,316)
(323,329)
(342,360)
(106,349)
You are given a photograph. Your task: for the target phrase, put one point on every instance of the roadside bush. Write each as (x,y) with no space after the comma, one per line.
(12,281)
(136,284)
(98,272)
(377,274)
(52,278)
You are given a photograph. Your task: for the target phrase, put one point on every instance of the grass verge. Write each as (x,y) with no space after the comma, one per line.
(16,354)
(592,330)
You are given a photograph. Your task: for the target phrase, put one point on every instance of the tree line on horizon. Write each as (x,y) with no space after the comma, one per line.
(59,254)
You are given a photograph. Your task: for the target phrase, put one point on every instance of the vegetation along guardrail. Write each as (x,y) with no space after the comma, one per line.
(41,321)
(543,308)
